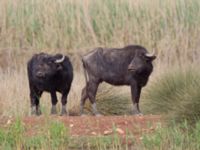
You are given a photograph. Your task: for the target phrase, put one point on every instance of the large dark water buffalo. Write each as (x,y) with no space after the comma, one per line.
(51,74)
(131,65)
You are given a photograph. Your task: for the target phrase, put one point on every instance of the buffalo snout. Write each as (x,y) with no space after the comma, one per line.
(131,68)
(40,74)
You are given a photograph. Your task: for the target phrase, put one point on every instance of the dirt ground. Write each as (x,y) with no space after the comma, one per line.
(94,126)
(104,125)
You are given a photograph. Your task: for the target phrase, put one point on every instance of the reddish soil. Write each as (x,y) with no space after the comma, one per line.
(93,126)
(104,125)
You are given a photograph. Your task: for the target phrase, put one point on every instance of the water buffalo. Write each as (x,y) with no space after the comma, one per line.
(51,74)
(131,65)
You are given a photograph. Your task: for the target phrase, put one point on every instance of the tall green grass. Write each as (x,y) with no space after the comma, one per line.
(175,94)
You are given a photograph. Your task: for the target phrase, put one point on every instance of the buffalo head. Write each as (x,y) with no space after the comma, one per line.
(141,62)
(47,65)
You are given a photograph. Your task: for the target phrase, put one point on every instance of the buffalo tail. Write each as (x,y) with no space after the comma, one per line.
(85,72)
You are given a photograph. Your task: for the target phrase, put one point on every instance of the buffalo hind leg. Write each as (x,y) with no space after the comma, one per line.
(91,91)
(84,96)
(135,94)
(54,101)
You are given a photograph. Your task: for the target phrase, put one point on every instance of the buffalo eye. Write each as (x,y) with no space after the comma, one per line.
(142,56)
(50,62)
(59,67)
(41,66)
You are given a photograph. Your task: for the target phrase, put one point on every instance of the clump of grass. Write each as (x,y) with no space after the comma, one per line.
(175,93)
(115,104)
(58,135)
(177,136)
(112,100)
(35,142)
(53,135)
(13,137)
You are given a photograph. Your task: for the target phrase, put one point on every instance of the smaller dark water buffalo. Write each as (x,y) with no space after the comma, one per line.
(131,65)
(51,74)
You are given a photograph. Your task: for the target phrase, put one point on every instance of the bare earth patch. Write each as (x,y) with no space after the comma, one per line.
(93,126)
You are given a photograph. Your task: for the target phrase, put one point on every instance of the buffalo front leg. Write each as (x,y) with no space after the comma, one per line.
(135,94)
(54,101)
(84,96)
(91,91)
(35,97)
(64,102)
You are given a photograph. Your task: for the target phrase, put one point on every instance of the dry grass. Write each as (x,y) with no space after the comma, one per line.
(171,27)
(14,92)
(73,27)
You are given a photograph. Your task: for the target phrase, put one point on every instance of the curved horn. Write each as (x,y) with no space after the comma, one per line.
(151,54)
(60,60)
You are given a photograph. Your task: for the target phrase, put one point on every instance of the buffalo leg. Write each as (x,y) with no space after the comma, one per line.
(84,96)
(54,101)
(35,97)
(135,93)
(91,91)
(64,102)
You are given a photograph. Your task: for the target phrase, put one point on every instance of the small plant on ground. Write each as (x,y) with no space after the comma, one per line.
(58,135)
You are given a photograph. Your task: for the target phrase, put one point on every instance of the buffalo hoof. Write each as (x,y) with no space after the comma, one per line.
(63,113)
(53,110)
(38,112)
(98,115)
(83,115)
(138,114)
(35,111)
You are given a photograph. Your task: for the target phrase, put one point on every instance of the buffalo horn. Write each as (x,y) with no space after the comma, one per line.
(151,54)
(60,60)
